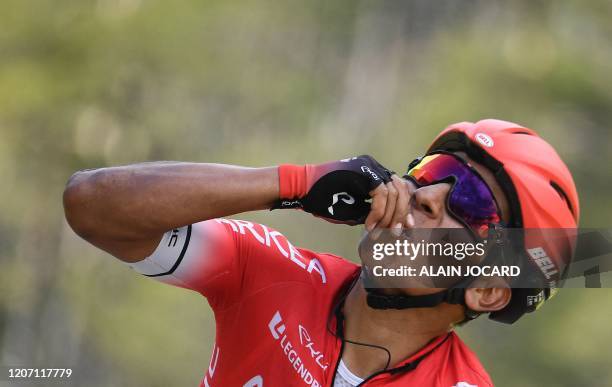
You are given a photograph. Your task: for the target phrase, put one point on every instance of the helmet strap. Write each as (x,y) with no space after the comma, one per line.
(378,300)
(454,295)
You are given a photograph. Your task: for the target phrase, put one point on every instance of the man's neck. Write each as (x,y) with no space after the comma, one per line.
(401,332)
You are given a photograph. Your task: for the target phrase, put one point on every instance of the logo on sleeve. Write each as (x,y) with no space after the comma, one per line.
(173,238)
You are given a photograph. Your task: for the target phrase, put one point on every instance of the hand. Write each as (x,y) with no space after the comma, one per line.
(391,205)
(338,191)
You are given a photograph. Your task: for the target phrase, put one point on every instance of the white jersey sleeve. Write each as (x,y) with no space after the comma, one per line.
(169,254)
(202,257)
(226,259)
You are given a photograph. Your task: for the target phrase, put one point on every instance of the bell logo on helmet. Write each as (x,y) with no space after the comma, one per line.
(544,262)
(536,300)
(485,140)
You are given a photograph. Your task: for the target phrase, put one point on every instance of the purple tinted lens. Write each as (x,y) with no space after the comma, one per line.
(470,199)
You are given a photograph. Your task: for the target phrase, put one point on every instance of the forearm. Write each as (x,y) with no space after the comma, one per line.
(141,201)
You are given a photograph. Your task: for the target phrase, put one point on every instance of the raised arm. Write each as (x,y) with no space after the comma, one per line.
(125,210)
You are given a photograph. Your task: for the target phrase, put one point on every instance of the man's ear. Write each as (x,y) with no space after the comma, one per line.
(494,295)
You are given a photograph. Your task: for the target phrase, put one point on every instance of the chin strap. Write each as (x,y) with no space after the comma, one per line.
(378,300)
(455,295)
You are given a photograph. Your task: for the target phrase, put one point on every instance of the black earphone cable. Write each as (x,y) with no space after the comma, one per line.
(340,319)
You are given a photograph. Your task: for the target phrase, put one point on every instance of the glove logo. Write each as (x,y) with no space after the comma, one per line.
(291,203)
(366,169)
(345,197)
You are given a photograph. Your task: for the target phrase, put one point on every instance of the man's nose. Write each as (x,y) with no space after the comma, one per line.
(431,199)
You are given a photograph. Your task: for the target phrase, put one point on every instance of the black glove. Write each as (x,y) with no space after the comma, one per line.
(336,191)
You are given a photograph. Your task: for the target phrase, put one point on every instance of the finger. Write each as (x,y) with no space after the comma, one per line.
(377,209)
(400,216)
(385,222)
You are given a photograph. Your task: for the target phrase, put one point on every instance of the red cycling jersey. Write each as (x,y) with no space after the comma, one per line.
(276,309)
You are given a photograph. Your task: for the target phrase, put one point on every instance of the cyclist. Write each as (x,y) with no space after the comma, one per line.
(290,316)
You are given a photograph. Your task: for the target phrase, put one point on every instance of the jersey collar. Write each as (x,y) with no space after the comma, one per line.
(404,366)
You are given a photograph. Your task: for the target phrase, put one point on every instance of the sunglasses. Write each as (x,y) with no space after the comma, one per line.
(470,199)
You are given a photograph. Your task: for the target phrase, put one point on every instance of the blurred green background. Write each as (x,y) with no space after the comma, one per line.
(87,84)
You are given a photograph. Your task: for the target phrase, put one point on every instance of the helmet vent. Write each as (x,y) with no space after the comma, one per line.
(522,132)
(563,196)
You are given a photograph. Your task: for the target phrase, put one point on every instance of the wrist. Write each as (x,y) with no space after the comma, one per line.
(293,180)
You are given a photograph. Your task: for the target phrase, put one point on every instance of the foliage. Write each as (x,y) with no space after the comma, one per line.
(87,84)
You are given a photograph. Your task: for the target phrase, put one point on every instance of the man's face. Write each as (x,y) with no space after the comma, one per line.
(427,205)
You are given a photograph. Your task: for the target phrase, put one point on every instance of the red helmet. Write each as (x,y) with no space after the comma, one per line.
(541,195)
